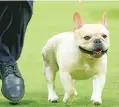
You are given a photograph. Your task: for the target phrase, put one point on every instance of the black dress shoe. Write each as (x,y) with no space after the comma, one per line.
(12,82)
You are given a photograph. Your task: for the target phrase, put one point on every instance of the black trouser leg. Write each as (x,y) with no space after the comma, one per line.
(14,18)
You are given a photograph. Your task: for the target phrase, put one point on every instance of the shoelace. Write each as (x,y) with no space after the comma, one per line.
(8,69)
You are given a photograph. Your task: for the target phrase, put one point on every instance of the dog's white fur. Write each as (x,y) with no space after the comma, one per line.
(61,53)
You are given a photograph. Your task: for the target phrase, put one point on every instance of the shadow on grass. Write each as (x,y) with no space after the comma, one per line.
(22,103)
(85,102)
(78,102)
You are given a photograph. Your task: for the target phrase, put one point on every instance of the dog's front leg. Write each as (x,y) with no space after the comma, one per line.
(98,85)
(68,85)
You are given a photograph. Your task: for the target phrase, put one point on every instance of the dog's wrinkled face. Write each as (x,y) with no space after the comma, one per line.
(92,39)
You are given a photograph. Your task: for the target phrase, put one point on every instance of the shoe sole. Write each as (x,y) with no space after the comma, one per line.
(13,101)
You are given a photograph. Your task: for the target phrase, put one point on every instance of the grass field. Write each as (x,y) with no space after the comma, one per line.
(50,18)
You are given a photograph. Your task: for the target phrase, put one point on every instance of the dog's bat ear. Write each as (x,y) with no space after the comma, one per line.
(104,19)
(78,21)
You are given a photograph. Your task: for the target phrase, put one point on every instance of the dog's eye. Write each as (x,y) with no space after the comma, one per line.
(104,36)
(87,37)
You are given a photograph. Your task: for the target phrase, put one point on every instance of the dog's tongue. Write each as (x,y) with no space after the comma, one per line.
(97,53)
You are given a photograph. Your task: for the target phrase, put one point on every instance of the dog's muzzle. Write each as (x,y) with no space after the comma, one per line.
(95,53)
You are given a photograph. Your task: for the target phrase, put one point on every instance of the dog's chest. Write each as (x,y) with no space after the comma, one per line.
(82,71)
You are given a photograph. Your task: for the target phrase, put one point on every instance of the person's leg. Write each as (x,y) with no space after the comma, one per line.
(14,38)
(18,15)
(5,24)
(14,18)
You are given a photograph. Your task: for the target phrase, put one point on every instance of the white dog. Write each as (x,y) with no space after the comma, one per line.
(77,55)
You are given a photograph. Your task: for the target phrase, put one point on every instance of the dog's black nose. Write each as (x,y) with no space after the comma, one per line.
(97,41)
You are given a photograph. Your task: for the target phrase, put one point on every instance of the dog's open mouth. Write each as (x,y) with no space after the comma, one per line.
(95,53)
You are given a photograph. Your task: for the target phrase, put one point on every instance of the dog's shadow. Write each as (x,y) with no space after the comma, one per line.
(107,102)
(80,102)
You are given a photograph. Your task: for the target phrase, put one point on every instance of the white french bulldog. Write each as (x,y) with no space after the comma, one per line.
(77,55)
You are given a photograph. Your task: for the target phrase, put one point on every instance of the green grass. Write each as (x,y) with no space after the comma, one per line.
(50,18)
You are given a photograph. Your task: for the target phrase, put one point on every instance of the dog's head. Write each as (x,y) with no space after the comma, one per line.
(92,39)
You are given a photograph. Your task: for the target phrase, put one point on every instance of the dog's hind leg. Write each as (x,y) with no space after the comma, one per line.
(50,77)
(50,68)
(68,85)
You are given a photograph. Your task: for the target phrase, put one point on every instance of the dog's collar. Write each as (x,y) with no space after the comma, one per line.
(90,52)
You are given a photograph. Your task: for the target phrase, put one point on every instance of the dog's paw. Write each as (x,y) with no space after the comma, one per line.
(96,101)
(68,98)
(66,101)
(53,99)
(76,94)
